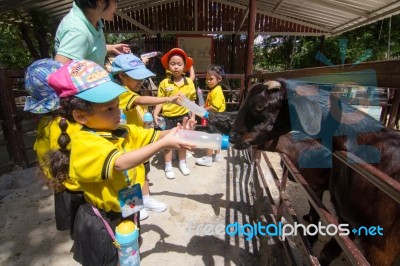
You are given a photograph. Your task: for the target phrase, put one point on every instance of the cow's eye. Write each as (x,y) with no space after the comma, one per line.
(260,107)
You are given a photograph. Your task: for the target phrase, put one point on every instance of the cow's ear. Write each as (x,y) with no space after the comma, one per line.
(309,113)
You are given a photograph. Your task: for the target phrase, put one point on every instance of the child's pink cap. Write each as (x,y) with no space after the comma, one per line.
(86,80)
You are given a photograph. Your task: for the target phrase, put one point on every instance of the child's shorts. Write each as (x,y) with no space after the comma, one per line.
(66,204)
(171,122)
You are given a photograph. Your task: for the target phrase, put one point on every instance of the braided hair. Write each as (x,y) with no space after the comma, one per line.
(58,160)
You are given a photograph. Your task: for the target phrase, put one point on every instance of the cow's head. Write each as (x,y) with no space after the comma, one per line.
(266,115)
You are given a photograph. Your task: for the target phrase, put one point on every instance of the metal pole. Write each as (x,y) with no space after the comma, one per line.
(390,29)
(250,41)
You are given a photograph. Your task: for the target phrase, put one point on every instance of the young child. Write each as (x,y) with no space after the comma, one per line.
(215,102)
(43,100)
(130,71)
(103,157)
(177,62)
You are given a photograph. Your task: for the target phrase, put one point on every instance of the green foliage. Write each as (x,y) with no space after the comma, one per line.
(13,52)
(25,38)
(373,37)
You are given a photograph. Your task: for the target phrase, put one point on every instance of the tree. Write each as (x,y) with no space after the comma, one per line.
(368,43)
(25,39)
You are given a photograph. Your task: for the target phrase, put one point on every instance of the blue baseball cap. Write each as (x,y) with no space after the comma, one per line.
(86,80)
(132,66)
(42,98)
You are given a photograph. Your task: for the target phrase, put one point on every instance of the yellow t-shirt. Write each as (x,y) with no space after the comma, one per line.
(168,89)
(92,160)
(134,113)
(48,132)
(216,99)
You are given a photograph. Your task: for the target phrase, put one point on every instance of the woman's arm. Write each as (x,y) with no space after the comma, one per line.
(62,59)
(119,48)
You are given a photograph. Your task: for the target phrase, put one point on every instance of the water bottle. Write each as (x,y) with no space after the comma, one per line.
(150,55)
(200,96)
(161,123)
(148,121)
(126,234)
(198,110)
(122,120)
(204,140)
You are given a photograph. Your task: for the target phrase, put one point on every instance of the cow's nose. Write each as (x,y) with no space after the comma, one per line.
(233,136)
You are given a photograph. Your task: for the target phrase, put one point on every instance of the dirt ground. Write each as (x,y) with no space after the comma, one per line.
(188,233)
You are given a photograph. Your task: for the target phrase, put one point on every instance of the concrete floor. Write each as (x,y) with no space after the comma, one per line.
(188,233)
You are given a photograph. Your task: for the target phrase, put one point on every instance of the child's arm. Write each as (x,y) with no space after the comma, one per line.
(151,100)
(156,112)
(136,157)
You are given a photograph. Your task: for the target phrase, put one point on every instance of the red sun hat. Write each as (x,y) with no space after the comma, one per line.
(188,60)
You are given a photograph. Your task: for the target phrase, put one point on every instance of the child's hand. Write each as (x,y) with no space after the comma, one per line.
(172,141)
(188,123)
(155,118)
(175,98)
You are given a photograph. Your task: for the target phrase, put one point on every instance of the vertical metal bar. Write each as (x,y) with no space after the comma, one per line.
(250,41)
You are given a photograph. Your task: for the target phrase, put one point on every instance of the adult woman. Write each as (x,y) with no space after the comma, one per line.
(80,33)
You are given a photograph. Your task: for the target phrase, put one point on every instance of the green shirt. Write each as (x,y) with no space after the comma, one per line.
(77,38)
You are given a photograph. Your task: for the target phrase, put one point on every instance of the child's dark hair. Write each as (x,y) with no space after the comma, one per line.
(58,160)
(219,72)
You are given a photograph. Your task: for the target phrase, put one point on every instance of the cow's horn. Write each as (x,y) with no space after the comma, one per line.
(272,84)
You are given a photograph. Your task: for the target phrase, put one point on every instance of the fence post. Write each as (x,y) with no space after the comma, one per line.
(11,125)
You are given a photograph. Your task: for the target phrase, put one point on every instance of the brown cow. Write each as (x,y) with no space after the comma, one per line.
(275,108)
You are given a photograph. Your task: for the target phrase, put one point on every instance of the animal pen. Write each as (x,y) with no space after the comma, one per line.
(388,93)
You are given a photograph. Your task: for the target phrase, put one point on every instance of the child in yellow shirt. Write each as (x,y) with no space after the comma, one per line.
(215,102)
(177,62)
(103,158)
(130,72)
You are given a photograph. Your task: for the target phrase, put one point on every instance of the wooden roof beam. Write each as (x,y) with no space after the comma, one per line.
(134,22)
(278,6)
(392,11)
(272,15)
(131,9)
(243,20)
(340,8)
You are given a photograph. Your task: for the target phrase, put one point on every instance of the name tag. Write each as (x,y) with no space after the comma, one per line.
(130,200)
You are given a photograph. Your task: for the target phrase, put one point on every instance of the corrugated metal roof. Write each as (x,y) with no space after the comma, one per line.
(298,17)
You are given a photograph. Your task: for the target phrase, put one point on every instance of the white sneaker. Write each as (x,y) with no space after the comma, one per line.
(188,155)
(169,173)
(184,169)
(217,158)
(205,160)
(144,214)
(154,205)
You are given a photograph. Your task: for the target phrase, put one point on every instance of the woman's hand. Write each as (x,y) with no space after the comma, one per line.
(119,48)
